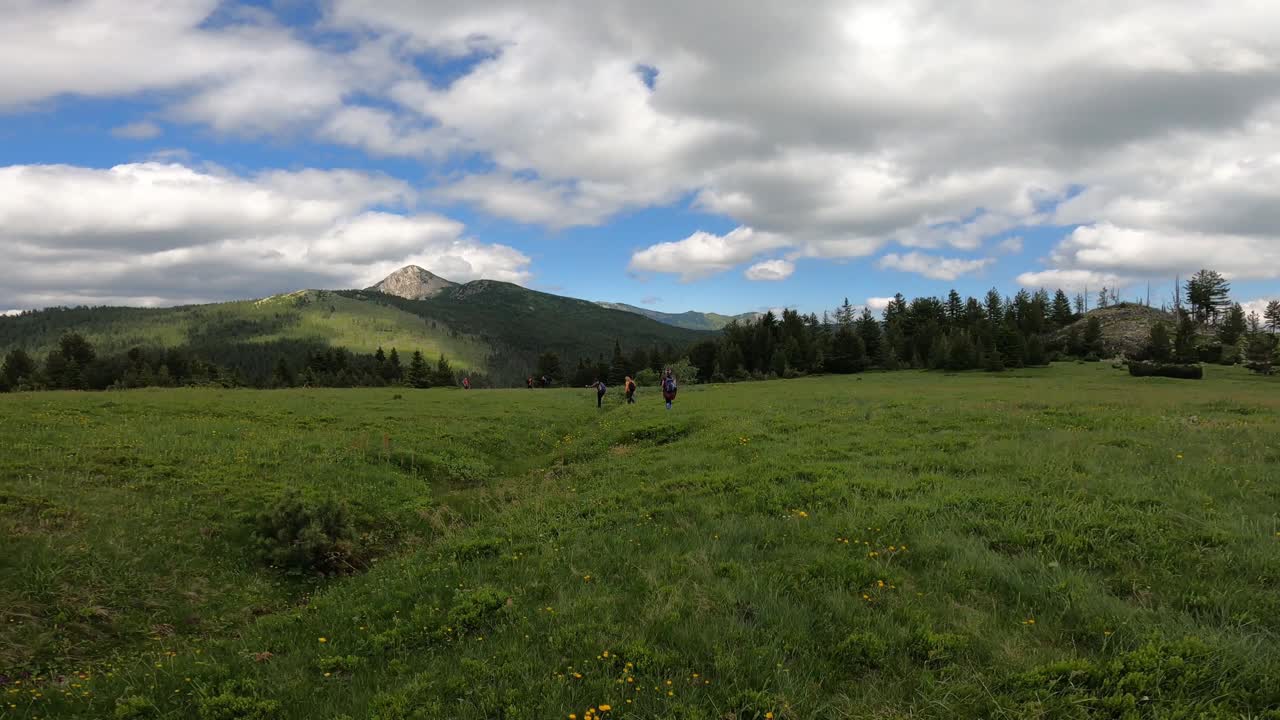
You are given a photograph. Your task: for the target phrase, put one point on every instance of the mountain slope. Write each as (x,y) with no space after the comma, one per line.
(284,323)
(691,320)
(523,323)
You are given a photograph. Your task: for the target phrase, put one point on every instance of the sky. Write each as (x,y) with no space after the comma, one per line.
(715,156)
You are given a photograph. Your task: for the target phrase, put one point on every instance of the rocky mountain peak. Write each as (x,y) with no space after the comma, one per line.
(413,283)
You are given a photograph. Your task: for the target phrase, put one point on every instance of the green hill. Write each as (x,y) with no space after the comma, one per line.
(691,320)
(520,323)
(249,335)
(483,326)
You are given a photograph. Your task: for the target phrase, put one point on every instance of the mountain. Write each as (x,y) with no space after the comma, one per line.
(691,320)
(520,324)
(413,283)
(481,326)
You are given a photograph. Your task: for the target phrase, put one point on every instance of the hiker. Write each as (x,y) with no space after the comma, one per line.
(546,381)
(669,388)
(466,383)
(529,382)
(600,391)
(630,387)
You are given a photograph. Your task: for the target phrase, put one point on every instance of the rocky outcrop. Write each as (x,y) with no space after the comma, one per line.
(413,283)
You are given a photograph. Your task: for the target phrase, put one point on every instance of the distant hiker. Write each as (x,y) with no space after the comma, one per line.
(600,391)
(529,382)
(546,381)
(669,388)
(466,383)
(630,388)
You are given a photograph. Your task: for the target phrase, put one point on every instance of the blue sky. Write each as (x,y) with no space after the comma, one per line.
(680,158)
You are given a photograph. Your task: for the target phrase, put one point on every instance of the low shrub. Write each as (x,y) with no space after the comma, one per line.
(301,538)
(1169,370)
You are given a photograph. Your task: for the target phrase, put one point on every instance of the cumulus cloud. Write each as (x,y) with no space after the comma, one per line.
(933,266)
(878,304)
(845,127)
(154,234)
(771,270)
(703,254)
(1105,249)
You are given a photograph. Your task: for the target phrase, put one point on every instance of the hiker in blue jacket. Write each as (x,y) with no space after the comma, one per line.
(600,391)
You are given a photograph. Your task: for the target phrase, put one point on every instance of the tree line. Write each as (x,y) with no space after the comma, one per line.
(76,365)
(954,333)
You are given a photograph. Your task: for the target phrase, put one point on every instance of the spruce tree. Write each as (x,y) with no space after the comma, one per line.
(617,366)
(419,374)
(872,337)
(1093,338)
(395,371)
(1184,340)
(1233,326)
(442,375)
(1061,315)
(1160,345)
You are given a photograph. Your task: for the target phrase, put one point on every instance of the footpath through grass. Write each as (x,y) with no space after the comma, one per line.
(1066,543)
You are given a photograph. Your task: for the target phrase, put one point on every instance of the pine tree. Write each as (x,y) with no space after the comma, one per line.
(442,376)
(1061,314)
(1208,294)
(1159,345)
(872,337)
(617,366)
(994,308)
(419,374)
(1234,326)
(379,356)
(1037,355)
(395,371)
(955,310)
(1093,337)
(1272,316)
(1184,340)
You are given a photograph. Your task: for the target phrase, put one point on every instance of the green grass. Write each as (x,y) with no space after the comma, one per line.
(1065,543)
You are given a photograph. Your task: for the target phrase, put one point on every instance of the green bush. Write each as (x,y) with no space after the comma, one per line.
(297,537)
(1179,372)
(862,651)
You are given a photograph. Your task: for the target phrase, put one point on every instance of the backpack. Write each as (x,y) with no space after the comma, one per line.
(669,384)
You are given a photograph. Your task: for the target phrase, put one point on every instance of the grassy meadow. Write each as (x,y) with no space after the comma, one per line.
(1059,543)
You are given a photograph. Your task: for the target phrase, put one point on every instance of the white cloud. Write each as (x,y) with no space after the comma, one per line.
(771,270)
(878,304)
(1132,252)
(845,127)
(1072,280)
(10,313)
(143,130)
(932,266)
(158,234)
(702,253)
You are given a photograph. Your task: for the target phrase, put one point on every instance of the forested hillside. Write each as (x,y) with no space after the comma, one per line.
(522,324)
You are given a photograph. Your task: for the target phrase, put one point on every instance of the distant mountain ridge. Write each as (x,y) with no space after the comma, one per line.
(691,320)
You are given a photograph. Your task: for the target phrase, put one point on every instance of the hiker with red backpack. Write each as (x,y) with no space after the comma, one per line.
(669,388)
(630,387)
